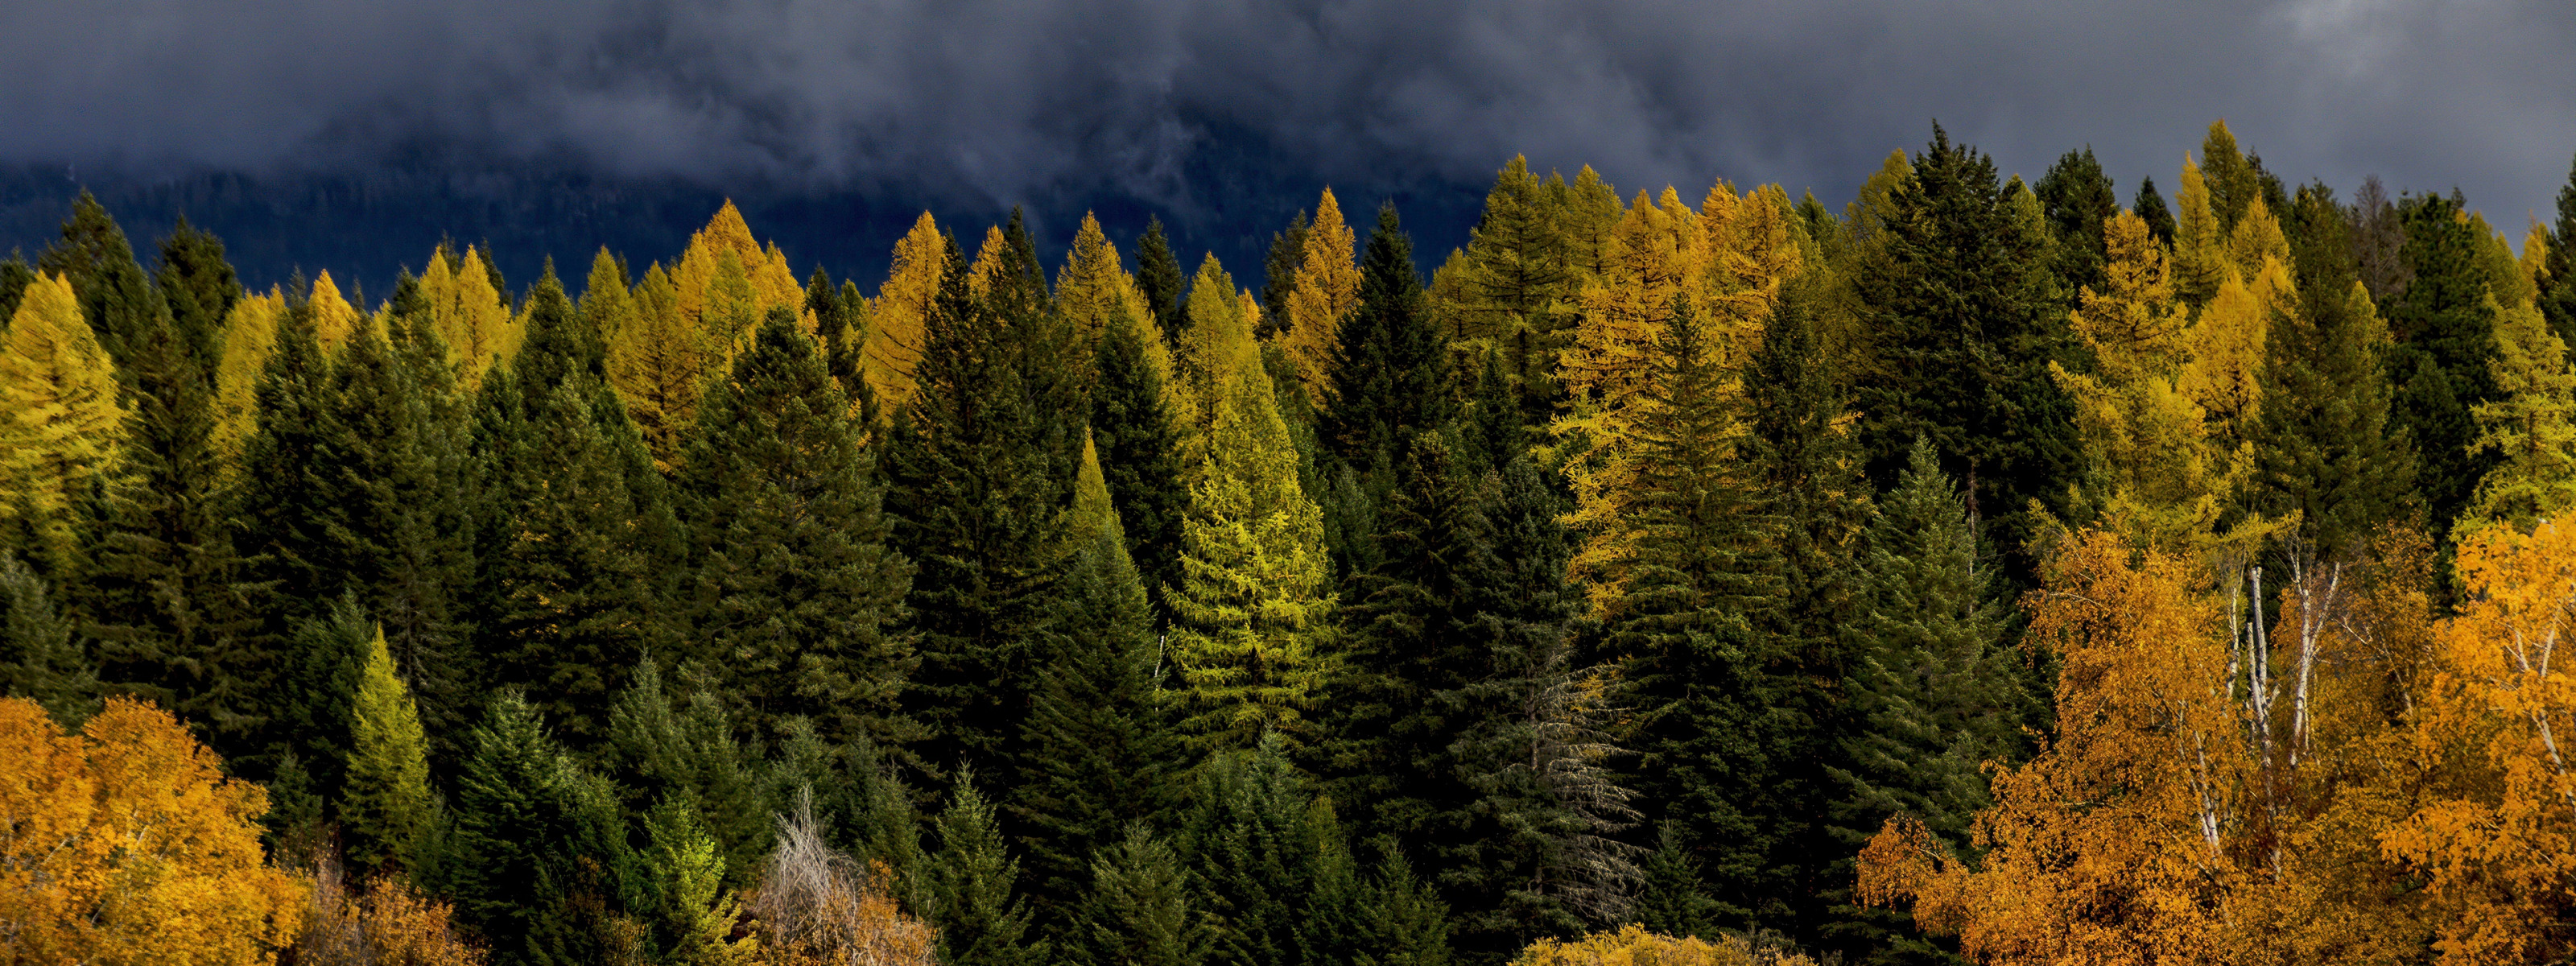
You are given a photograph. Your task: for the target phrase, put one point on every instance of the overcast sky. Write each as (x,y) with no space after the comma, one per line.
(992,102)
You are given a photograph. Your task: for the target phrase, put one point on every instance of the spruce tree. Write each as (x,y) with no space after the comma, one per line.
(1101,753)
(697,914)
(693,757)
(1966,333)
(1158,275)
(200,288)
(1388,367)
(982,919)
(792,590)
(1138,911)
(538,853)
(2151,207)
(116,297)
(385,805)
(1266,864)
(1279,273)
(1672,899)
(980,467)
(15,276)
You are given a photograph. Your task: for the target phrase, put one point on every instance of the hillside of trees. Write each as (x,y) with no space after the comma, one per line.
(1988,570)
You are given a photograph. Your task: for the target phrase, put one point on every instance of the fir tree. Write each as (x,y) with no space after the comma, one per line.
(792,587)
(1387,368)
(691,757)
(2558,286)
(1266,864)
(1100,752)
(1518,276)
(697,914)
(1138,911)
(1965,336)
(980,466)
(1158,275)
(536,843)
(1279,273)
(15,276)
(386,805)
(116,297)
(982,920)
(1672,899)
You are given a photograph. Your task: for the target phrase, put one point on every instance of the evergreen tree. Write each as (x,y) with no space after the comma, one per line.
(1518,276)
(1326,294)
(1139,443)
(1158,275)
(169,601)
(1100,751)
(41,658)
(1398,919)
(2077,198)
(309,718)
(116,297)
(15,276)
(579,529)
(2151,207)
(1138,911)
(691,757)
(697,914)
(980,466)
(2444,324)
(982,920)
(1672,899)
(2558,286)
(1965,336)
(1279,274)
(1266,863)
(386,804)
(200,288)
(2324,447)
(1933,691)
(792,589)
(538,853)
(1386,377)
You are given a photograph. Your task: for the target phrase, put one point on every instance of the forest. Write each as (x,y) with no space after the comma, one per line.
(1986,571)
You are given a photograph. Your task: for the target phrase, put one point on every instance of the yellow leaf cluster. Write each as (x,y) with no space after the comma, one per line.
(1327,292)
(468,314)
(124,843)
(902,307)
(388,924)
(1632,945)
(249,339)
(60,421)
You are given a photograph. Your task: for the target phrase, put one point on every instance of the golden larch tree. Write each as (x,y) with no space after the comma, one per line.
(249,338)
(1327,292)
(902,307)
(60,420)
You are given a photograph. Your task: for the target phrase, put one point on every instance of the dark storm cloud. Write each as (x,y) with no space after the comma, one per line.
(998,101)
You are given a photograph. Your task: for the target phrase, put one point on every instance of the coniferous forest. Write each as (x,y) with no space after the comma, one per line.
(1979,570)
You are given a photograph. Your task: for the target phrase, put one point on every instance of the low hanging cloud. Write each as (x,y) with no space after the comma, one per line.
(992,102)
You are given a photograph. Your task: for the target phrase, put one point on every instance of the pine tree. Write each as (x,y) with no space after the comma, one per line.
(2558,285)
(1279,274)
(1387,369)
(1265,862)
(692,757)
(115,296)
(580,531)
(1158,276)
(982,920)
(41,658)
(1251,600)
(980,466)
(200,289)
(1138,911)
(2324,447)
(2078,199)
(791,586)
(1965,338)
(15,276)
(2151,207)
(1139,442)
(1933,691)
(2445,328)
(1100,751)
(170,602)
(63,427)
(538,852)
(1672,899)
(386,805)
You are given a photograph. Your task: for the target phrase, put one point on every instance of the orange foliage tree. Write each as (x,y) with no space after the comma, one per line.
(122,843)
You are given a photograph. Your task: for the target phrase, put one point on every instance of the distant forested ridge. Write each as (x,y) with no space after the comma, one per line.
(1983,570)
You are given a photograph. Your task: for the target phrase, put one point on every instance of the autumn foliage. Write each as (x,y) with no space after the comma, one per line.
(123,843)
(1634,946)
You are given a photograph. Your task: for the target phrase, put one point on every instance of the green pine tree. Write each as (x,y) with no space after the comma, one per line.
(792,590)
(115,295)
(1138,911)
(41,658)
(1389,367)
(1140,454)
(982,919)
(200,288)
(980,467)
(692,756)
(2445,354)
(2077,198)
(1266,862)
(2558,289)
(538,855)
(385,806)
(2150,206)
(1158,275)
(1672,899)
(1279,274)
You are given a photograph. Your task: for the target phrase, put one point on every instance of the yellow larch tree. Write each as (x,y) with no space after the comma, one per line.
(60,420)
(2531,427)
(989,259)
(468,314)
(764,271)
(2493,837)
(2255,295)
(1093,288)
(127,844)
(2145,438)
(2199,246)
(249,338)
(660,362)
(335,321)
(902,311)
(1327,292)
